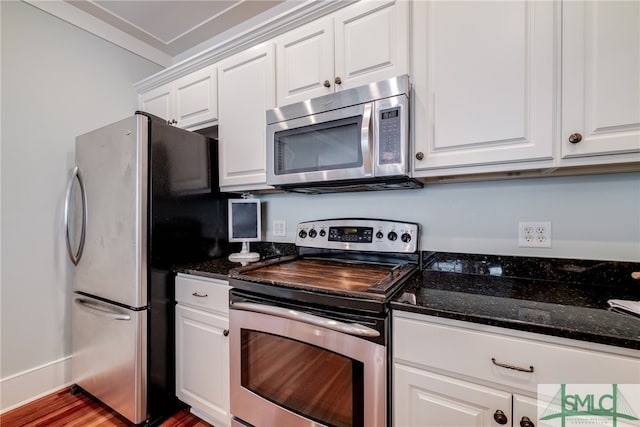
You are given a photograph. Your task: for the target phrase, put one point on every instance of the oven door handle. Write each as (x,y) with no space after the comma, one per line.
(347,328)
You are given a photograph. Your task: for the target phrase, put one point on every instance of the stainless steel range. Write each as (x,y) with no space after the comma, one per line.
(309,334)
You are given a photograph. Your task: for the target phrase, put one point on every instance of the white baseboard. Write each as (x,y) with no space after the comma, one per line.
(34,383)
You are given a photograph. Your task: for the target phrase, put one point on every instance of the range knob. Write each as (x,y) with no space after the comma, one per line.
(406,237)
(323,233)
(379,235)
(392,235)
(302,234)
(313,233)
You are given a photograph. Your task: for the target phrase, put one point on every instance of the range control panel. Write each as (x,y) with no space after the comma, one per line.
(374,235)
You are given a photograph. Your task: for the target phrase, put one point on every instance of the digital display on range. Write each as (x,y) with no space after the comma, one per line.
(351,234)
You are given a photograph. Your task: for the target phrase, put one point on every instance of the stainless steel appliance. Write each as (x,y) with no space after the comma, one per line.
(309,334)
(353,140)
(142,196)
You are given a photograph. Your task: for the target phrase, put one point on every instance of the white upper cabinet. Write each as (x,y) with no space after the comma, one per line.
(372,42)
(304,62)
(158,101)
(189,102)
(601,78)
(358,45)
(484,76)
(196,98)
(246,91)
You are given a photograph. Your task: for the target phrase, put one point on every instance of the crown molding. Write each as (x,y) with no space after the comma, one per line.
(87,22)
(293,18)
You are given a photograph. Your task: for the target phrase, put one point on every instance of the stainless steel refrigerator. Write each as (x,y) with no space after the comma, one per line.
(142,198)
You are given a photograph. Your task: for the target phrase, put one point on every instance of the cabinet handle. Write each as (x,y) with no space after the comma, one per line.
(226,334)
(327,83)
(500,417)
(574,138)
(196,294)
(419,155)
(338,81)
(526,422)
(515,368)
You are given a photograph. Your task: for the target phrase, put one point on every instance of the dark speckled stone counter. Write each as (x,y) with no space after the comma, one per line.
(561,297)
(219,268)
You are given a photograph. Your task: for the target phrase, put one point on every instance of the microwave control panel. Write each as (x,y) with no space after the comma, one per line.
(390,137)
(359,235)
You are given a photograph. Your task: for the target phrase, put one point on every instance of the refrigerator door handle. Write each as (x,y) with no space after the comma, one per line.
(100,310)
(75,175)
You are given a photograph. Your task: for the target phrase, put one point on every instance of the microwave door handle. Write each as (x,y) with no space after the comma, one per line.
(347,328)
(366,139)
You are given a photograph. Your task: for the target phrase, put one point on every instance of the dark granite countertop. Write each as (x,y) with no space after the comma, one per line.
(560,297)
(218,268)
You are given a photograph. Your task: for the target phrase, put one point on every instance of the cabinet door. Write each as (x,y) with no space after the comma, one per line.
(425,399)
(246,90)
(158,101)
(484,78)
(196,98)
(304,62)
(525,408)
(202,362)
(371,42)
(601,87)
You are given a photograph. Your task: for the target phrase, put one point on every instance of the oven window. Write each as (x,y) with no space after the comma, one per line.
(320,147)
(316,383)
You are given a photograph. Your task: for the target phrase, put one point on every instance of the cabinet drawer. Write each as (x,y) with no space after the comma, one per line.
(203,292)
(471,353)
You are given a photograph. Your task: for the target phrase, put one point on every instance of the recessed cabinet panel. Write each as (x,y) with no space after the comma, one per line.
(601,87)
(360,44)
(202,360)
(371,42)
(158,102)
(196,99)
(305,62)
(483,82)
(427,399)
(246,91)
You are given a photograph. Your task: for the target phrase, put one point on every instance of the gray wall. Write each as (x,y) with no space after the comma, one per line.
(57,82)
(593,217)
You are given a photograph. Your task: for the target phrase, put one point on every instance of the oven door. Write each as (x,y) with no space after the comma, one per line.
(290,368)
(330,146)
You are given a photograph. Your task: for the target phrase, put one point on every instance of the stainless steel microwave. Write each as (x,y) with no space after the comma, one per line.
(352,140)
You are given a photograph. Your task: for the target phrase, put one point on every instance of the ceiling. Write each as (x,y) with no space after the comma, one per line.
(165,30)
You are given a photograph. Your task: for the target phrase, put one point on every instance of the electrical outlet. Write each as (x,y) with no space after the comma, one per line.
(279,227)
(534,234)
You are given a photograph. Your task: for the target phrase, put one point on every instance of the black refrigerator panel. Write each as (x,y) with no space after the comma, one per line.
(188,223)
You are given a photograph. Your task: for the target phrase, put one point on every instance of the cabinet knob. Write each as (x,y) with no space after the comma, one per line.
(419,155)
(526,422)
(500,417)
(338,81)
(574,138)
(226,334)
(327,83)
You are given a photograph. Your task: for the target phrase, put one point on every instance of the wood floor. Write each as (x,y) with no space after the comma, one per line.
(80,410)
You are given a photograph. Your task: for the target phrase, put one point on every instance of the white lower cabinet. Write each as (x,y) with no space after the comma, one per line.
(453,373)
(423,398)
(202,347)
